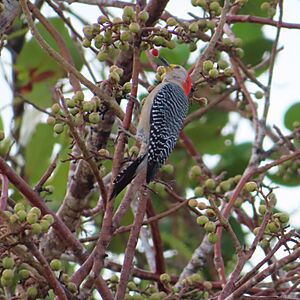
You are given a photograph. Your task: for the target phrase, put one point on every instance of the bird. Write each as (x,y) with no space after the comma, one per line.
(160,123)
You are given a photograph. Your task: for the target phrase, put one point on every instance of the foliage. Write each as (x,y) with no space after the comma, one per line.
(202,223)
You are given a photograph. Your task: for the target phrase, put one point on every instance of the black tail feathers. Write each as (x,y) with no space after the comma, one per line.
(126,176)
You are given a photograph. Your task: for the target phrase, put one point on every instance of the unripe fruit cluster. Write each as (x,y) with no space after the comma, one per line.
(218,70)
(36,223)
(289,171)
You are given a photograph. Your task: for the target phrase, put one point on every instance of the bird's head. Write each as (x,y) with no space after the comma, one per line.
(176,74)
(179,75)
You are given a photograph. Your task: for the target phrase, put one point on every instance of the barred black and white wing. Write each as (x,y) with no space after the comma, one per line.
(168,112)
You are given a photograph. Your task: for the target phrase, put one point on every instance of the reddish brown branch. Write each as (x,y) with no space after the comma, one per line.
(259,20)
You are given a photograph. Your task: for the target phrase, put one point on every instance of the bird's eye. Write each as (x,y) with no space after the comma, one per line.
(177,67)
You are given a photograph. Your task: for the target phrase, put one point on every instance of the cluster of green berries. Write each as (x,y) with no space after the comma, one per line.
(193,282)
(57,266)
(13,272)
(210,185)
(36,223)
(213,7)
(112,35)
(289,170)
(275,226)
(220,73)
(269,7)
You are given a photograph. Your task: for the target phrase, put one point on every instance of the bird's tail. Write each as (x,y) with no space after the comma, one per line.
(126,176)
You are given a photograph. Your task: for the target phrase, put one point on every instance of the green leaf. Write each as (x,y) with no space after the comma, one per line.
(253,8)
(234,159)
(255,44)
(292,115)
(206,133)
(37,76)
(38,152)
(179,55)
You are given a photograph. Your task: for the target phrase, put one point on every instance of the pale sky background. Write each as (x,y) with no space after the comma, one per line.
(285,88)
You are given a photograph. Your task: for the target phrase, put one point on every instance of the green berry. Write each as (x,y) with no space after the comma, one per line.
(228,72)
(8,262)
(49,218)
(223,64)
(240,52)
(207,285)
(13,219)
(58,128)
(131,286)
(143,16)
(201,205)
(158,41)
(22,214)
(5,282)
(199,190)
(79,96)
(114,278)
(214,6)
(171,22)
(127,87)
(114,76)
(55,108)
(212,237)
(265,6)
(125,36)
(264,243)
(213,73)
(72,287)
(227,42)
(24,274)
(102,19)
(172,45)
(225,186)
(36,228)
(207,65)
(51,120)
(210,213)
(192,46)
(259,94)
(273,227)
(102,56)
(210,226)
(250,186)
(193,203)
(8,274)
(211,25)
(202,220)
(210,184)
(193,27)
(284,218)
(45,225)
(103,153)
(32,218)
(256,230)
(35,210)
(168,169)
(32,292)
(238,42)
(262,209)
(86,43)
(134,27)
(71,103)
(165,278)
(196,171)
(128,11)
(94,118)
(19,206)
(55,265)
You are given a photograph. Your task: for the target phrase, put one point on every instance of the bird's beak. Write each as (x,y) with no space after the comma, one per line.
(164,61)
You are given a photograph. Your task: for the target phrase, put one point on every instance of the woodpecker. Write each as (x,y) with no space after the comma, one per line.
(160,122)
